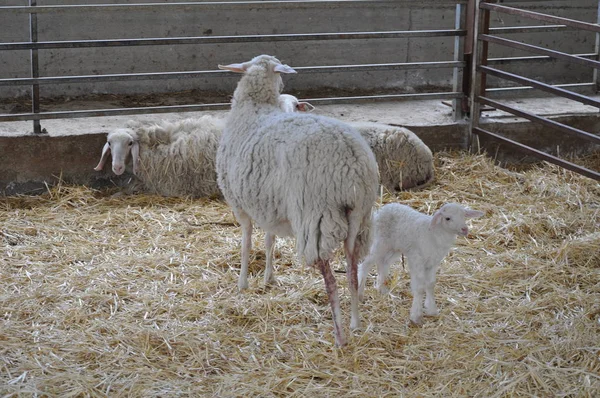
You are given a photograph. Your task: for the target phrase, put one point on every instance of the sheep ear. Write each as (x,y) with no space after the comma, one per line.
(283,69)
(473,213)
(103,158)
(437,218)
(135,155)
(237,68)
(305,107)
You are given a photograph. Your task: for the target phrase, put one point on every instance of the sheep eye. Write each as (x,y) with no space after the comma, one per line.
(447,218)
(130,143)
(109,144)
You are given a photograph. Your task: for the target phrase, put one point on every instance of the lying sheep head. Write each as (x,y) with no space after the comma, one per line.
(119,144)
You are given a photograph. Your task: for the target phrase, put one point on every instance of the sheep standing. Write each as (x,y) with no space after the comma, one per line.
(296,174)
(404,161)
(169,158)
(424,240)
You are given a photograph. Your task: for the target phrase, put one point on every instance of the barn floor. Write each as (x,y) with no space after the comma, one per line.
(104,295)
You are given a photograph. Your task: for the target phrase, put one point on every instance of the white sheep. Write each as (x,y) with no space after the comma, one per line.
(404,161)
(169,158)
(424,241)
(296,174)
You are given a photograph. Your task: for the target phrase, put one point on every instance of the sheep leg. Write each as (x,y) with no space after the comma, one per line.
(334,300)
(352,274)
(246,223)
(416,311)
(383,272)
(269,240)
(430,306)
(363,270)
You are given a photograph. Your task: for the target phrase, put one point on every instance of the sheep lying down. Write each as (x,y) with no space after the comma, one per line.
(424,240)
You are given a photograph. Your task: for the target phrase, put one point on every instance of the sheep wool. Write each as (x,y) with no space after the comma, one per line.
(296,174)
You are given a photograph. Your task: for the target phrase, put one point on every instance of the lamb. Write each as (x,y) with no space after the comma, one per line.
(169,158)
(424,240)
(404,161)
(296,174)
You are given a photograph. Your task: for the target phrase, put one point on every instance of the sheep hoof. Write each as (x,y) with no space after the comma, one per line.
(242,285)
(416,322)
(432,312)
(354,325)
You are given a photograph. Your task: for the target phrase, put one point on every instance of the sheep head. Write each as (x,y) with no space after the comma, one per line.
(452,217)
(120,143)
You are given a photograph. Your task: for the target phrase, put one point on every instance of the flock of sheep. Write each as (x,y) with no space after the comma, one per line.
(295,173)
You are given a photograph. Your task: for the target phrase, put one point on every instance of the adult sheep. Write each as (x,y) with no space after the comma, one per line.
(169,158)
(404,161)
(296,174)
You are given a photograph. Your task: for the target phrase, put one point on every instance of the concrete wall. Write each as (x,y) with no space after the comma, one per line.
(234,21)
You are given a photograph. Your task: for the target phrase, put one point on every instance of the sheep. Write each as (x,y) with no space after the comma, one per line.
(424,240)
(296,174)
(169,158)
(404,161)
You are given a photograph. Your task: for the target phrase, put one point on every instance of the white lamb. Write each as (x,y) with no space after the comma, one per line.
(169,158)
(404,161)
(424,240)
(296,174)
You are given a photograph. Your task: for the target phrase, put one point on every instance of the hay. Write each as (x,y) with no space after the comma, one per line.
(136,296)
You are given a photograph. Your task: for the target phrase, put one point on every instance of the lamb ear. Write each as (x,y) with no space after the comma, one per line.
(103,158)
(437,218)
(135,155)
(473,213)
(283,69)
(305,107)
(237,68)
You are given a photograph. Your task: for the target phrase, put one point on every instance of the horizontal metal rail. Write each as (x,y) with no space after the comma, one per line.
(546,122)
(509,60)
(210,5)
(195,74)
(539,85)
(539,154)
(540,50)
(541,17)
(529,29)
(521,88)
(212,107)
(45,45)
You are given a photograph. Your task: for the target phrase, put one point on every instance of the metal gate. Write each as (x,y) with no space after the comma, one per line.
(481,69)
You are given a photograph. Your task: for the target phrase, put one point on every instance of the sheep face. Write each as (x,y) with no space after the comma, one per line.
(119,144)
(452,218)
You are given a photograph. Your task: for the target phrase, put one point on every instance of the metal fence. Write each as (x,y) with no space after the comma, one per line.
(37,44)
(481,69)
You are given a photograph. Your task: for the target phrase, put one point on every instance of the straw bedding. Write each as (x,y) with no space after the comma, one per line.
(104,295)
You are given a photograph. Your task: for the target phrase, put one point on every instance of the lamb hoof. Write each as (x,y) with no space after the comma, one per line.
(354,325)
(432,312)
(416,322)
(242,285)
(271,281)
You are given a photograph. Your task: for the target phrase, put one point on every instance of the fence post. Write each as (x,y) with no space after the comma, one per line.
(597,50)
(481,24)
(35,72)
(457,76)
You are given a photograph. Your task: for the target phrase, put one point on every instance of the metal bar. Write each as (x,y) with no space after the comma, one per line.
(457,57)
(477,85)
(542,17)
(530,29)
(35,69)
(539,154)
(467,78)
(210,107)
(539,50)
(211,5)
(546,122)
(195,74)
(596,75)
(509,60)
(541,86)
(520,88)
(45,45)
